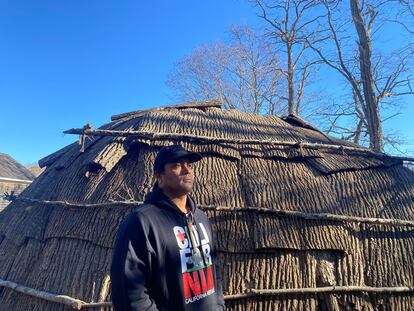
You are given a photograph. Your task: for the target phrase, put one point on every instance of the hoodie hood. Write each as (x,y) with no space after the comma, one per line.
(158,197)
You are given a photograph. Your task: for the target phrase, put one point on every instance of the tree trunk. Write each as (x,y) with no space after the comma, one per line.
(291,102)
(373,114)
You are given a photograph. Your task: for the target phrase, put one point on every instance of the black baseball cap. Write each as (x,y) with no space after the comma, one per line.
(174,154)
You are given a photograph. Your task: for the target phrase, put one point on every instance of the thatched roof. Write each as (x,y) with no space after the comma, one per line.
(11,169)
(291,208)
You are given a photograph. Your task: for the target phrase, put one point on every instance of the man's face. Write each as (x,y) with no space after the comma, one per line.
(177,178)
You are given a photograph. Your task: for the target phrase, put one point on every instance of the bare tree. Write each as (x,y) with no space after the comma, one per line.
(241,73)
(372,80)
(266,74)
(289,22)
(408,6)
(405,15)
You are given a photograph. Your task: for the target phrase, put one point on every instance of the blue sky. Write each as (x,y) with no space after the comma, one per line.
(66,63)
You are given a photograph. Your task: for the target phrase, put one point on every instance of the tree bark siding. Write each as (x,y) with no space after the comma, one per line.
(67,249)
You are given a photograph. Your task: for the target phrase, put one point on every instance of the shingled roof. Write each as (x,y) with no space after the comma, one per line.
(10,168)
(303,221)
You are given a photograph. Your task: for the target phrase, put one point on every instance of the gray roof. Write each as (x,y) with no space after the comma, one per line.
(10,168)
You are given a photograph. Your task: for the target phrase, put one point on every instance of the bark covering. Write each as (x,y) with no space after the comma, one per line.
(67,249)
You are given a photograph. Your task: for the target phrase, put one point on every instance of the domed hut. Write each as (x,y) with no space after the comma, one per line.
(303,221)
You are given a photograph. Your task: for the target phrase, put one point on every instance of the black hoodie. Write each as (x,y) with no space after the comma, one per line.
(155,265)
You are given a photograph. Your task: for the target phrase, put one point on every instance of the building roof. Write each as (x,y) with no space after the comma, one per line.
(11,169)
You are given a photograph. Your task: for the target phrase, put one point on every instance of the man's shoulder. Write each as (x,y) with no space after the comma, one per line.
(140,214)
(146,209)
(199,213)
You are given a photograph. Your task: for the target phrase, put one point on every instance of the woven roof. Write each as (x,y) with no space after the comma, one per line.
(65,248)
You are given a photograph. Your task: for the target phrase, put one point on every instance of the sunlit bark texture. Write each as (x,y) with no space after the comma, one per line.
(58,236)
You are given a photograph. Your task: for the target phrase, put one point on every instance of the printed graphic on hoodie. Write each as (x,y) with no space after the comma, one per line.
(196,267)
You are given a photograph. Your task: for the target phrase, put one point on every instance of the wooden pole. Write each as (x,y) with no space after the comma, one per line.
(79,304)
(322,216)
(318,290)
(80,204)
(62,299)
(230,140)
(275,212)
(199,105)
(96,304)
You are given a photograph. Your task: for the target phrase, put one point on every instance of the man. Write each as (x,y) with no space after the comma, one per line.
(164,257)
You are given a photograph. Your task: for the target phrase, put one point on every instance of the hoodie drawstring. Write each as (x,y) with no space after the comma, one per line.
(190,219)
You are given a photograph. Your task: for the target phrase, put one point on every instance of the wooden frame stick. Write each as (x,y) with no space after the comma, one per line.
(232,140)
(79,304)
(276,212)
(318,290)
